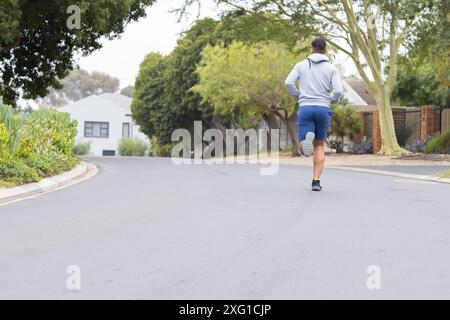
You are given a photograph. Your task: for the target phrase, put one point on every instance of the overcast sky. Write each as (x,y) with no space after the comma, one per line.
(159,32)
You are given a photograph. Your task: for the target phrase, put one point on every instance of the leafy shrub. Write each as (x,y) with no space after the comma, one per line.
(132,147)
(4,139)
(439,144)
(364,147)
(419,145)
(82,148)
(161,150)
(34,145)
(52,164)
(345,123)
(17,172)
(46,131)
(43,164)
(12,121)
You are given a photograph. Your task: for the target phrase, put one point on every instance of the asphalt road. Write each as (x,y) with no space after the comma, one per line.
(146,229)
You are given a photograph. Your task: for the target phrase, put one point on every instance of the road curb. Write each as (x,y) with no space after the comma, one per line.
(394,174)
(84,171)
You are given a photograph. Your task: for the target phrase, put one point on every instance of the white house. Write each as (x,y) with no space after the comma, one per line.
(103,120)
(356,93)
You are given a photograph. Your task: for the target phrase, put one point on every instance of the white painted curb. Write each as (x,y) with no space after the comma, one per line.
(394,174)
(82,172)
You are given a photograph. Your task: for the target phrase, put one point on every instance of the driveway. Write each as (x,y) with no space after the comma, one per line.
(147,229)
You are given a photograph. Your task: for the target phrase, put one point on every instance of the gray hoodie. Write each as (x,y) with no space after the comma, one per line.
(316,76)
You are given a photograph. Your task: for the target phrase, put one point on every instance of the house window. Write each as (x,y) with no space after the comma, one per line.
(109,153)
(126,130)
(96,129)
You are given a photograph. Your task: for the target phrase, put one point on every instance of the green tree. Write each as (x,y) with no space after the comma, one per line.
(128,91)
(167,87)
(370,32)
(163,101)
(78,85)
(249,29)
(249,78)
(148,107)
(37,47)
(424,72)
(419,84)
(184,106)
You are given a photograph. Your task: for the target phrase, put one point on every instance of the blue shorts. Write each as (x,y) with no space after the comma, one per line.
(313,119)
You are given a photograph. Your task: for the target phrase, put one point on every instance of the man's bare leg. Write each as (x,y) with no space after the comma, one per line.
(319,158)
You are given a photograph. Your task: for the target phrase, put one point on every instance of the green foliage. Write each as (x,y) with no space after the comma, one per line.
(81,148)
(35,145)
(431,44)
(245,83)
(249,29)
(161,150)
(50,164)
(11,123)
(439,144)
(37,47)
(128,91)
(249,78)
(163,99)
(46,131)
(345,123)
(418,83)
(17,172)
(148,108)
(4,139)
(132,147)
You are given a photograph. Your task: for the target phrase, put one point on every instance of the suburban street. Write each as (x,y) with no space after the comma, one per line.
(144,228)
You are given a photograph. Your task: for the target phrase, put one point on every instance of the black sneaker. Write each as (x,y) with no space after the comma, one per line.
(316,185)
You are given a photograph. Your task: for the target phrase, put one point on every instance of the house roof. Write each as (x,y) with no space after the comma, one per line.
(359,87)
(118,99)
(108,100)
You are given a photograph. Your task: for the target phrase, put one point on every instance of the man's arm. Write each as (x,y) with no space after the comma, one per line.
(290,82)
(338,89)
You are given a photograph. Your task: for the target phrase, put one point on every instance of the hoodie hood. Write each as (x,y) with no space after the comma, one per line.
(318,57)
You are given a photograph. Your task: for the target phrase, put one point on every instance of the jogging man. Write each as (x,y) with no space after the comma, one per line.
(316,76)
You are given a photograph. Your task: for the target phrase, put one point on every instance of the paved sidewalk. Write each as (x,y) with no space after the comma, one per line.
(82,172)
(369,160)
(409,167)
(422,169)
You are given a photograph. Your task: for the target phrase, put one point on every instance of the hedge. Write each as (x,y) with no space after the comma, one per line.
(34,145)
(132,147)
(439,144)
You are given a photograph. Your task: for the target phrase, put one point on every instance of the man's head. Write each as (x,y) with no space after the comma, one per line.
(319,45)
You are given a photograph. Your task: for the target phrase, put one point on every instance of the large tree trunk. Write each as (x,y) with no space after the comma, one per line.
(389,146)
(271,121)
(293,135)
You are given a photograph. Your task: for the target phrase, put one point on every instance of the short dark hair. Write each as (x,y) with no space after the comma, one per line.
(319,44)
